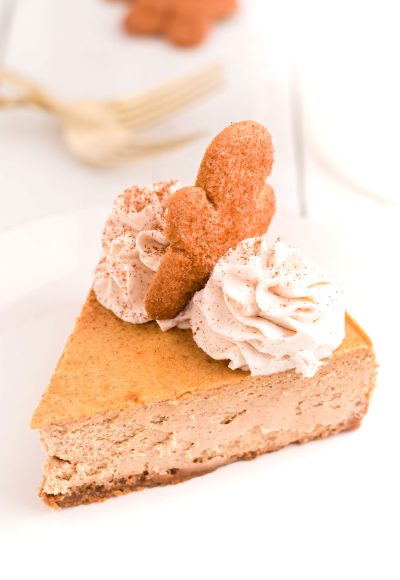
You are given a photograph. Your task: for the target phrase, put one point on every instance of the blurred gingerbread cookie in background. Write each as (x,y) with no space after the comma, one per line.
(182,22)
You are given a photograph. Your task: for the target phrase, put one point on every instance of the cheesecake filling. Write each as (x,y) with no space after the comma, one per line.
(266,310)
(133,244)
(191,435)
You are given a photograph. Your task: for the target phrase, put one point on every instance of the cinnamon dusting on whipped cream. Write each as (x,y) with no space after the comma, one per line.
(133,245)
(266,310)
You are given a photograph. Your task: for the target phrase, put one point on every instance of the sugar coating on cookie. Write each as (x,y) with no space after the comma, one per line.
(229,203)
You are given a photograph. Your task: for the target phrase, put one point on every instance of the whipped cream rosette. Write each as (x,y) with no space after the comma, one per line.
(133,245)
(266,310)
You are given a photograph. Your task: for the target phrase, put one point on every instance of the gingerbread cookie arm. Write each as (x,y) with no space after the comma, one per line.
(263,212)
(173,286)
(183,269)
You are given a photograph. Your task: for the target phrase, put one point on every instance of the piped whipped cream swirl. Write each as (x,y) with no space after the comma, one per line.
(266,310)
(133,243)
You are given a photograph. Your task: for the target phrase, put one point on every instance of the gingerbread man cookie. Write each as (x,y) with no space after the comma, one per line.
(183,22)
(229,203)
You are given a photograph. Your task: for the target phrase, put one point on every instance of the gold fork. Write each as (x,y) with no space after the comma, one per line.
(108,132)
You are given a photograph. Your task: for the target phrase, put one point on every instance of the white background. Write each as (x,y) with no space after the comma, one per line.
(324,79)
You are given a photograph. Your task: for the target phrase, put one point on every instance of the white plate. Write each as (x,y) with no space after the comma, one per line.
(284,515)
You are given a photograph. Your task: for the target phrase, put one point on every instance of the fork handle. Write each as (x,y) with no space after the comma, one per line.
(30,93)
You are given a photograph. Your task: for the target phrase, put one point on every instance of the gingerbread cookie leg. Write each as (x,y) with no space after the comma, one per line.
(146,17)
(189,26)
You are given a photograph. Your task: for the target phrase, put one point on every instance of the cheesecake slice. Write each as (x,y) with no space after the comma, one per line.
(130,407)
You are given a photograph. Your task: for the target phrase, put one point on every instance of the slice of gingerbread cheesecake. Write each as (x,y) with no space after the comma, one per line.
(200,344)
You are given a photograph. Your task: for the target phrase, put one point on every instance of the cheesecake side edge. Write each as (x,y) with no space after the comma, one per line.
(99,493)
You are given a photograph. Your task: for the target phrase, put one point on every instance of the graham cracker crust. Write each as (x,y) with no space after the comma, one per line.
(137,482)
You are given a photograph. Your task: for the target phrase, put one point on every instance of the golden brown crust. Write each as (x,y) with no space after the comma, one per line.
(98,493)
(229,203)
(183,22)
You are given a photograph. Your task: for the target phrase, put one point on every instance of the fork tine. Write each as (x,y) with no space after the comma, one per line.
(134,119)
(149,111)
(144,148)
(143,104)
(154,96)
(149,144)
